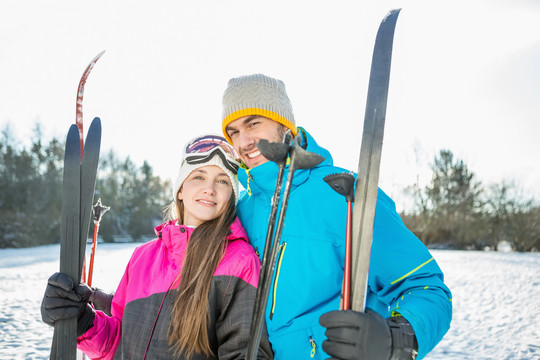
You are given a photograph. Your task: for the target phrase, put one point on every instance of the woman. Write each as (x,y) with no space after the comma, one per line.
(188,294)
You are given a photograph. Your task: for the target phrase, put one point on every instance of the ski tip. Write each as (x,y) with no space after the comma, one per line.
(96,121)
(95,126)
(73,130)
(392,13)
(98,56)
(73,141)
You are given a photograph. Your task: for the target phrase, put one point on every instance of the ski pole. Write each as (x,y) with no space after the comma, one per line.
(343,183)
(277,153)
(99,210)
(299,159)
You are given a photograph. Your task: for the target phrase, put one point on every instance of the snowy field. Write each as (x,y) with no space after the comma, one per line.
(496,299)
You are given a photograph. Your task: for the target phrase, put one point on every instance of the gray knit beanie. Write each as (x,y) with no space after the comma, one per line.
(257,94)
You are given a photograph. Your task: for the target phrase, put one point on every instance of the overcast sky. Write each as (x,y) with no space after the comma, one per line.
(465,76)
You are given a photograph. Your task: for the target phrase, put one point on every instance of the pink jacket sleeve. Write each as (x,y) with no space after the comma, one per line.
(103,338)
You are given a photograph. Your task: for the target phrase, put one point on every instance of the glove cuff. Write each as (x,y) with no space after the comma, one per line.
(101,301)
(86,320)
(404,345)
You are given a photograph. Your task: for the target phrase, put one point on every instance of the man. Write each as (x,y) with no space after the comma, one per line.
(409,306)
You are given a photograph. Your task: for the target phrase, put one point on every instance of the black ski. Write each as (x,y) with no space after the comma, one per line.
(365,197)
(88,182)
(77,197)
(66,330)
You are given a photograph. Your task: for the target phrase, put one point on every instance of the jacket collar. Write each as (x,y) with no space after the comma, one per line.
(175,237)
(262,179)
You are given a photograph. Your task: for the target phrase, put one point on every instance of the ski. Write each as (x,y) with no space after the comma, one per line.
(365,197)
(64,342)
(88,183)
(77,197)
(80,94)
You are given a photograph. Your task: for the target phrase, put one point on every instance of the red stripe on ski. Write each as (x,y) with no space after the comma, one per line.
(80,94)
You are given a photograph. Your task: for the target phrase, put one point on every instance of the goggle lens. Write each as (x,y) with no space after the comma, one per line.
(201,149)
(207,143)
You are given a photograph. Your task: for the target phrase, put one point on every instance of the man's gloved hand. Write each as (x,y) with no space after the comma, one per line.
(353,335)
(62,301)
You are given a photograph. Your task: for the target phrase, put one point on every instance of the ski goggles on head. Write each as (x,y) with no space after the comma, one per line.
(203,148)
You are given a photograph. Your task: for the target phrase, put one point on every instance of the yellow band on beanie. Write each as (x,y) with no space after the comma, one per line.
(254,111)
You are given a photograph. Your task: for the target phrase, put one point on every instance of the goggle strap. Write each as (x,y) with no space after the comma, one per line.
(201,158)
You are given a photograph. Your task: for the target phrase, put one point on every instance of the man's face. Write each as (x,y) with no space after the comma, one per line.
(246,131)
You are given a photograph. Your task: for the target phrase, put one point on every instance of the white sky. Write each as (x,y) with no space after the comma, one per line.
(465,76)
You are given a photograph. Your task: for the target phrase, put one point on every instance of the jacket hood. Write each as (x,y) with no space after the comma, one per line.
(175,237)
(263,177)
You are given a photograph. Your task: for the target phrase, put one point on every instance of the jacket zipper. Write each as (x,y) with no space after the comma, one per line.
(313,346)
(274,288)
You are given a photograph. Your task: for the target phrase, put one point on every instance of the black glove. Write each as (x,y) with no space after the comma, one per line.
(62,301)
(353,335)
(101,300)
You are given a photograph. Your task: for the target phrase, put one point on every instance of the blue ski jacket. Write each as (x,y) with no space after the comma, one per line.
(403,278)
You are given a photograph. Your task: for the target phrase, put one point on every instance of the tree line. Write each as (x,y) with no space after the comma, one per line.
(31,193)
(454,210)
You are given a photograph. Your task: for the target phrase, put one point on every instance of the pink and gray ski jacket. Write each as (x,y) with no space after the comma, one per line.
(142,305)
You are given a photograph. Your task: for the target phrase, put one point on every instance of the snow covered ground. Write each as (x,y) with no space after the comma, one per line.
(496,299)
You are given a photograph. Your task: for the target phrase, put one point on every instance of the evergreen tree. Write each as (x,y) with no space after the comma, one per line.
(31,193)
(30,183)
(450,204)
(136,197)
(146,196)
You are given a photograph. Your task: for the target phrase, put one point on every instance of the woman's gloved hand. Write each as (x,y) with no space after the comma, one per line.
(63,300)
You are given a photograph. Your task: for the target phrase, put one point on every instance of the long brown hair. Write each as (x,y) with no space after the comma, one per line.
(188,330)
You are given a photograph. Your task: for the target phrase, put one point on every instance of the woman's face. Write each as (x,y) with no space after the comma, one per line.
(205,193)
